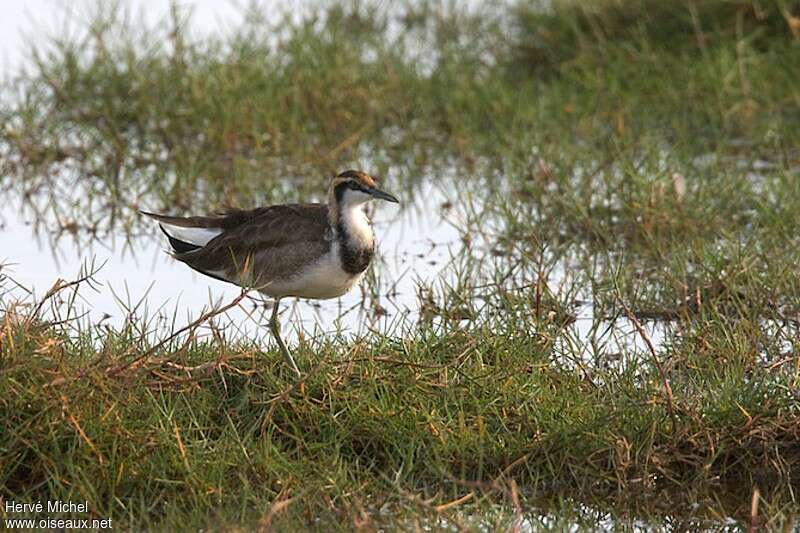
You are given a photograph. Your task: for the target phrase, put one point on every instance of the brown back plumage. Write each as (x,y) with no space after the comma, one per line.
(228,219)
(259,245)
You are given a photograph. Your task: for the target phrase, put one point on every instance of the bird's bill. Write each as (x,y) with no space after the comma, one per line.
(382,195)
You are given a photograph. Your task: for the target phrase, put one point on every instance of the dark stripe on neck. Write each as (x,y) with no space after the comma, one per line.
(338,193)
(355,259)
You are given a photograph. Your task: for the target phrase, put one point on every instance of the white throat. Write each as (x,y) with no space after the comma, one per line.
(358,227)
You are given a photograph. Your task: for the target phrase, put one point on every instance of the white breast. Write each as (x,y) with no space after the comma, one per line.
(320,280)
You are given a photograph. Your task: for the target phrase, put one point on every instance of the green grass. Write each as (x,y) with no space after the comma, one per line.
(389,424)
(638,156)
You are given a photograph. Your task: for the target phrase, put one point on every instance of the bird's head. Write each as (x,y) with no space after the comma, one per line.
(352,188)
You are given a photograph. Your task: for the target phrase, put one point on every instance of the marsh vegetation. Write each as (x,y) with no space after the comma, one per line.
(613,339)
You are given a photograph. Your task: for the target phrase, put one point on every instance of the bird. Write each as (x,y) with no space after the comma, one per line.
(303,250)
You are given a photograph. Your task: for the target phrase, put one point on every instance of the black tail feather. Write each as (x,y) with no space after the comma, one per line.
(179,246)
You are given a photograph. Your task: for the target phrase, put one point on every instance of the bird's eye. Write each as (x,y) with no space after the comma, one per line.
(353,186)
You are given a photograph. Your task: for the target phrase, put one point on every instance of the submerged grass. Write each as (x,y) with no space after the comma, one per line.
(641,155)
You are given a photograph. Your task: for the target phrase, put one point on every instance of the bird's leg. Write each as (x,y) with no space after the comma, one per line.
(275,328)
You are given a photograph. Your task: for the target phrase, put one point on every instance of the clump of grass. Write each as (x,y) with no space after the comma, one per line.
(194,431)
(568,30)
(123,104)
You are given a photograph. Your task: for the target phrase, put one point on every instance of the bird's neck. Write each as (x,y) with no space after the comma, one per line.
(353,225)
(356,240)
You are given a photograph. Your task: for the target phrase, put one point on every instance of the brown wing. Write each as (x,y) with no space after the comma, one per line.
(261,245)
(228,219)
